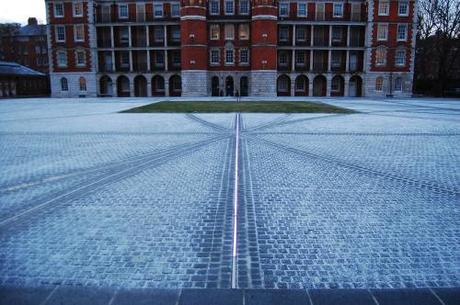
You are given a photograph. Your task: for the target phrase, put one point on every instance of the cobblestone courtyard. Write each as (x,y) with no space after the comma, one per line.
(92,197)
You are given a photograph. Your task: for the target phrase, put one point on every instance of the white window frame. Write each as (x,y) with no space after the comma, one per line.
(282,29)
(382,28)
(175,12)
(299,30)
(158,38)
(226,57)
(405,32)
(57,33)
(384,8)
(232,12)
(64,81)
(385,52)
(247,56)
(284,5)
(403,57)
(74,9)
(155,10)
(212,27)
(298,9)
(56,15)
(297,57)
(120,6)
(214,52)
(248,7)
(406,4)
(334,15)
(75,31)
(61,64)
(83,64)
(228,32)
(283,55)
(211,12)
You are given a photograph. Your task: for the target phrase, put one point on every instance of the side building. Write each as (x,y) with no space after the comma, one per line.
(229,47)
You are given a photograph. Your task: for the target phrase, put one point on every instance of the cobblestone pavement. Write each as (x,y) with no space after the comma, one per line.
(92,197)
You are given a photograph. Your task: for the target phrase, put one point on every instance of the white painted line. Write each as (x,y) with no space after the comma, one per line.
(235,204)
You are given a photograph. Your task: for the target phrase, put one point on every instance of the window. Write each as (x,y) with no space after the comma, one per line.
(283,34)
(140,12)
(384,8)
(284,9)
(229,56)
(124,35)
(160,58)
(78,9)
(379,84)
(82,82)
(175,9)
(124,59)
(338,10)
(402,32)
(214,7)
(62,58)
(301,34)
(123,11)
(282,59)
(300,58)
(336,34)
(381,56)
(400,57)
(301,9)
(244,56)
(283,84)
(229,7)
(398,84)
(106,13)
(79,34)
(158,10)
(175,34)
(158,34)
(176,58)
(336,60)
(300,84)
(80,58)
(244,31)
(58,10)
(64,84)
(244,7)
(335,84)
(60,33)
(229,32)
(319,11)
(215,57)
(215,31)
(382,32)
(403,8)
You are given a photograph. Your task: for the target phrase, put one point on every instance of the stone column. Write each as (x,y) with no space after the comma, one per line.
(346,84)
(311,34)
(328,85)
(329,60)
(310,84)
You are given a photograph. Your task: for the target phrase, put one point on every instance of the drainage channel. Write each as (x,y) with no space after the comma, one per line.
(235,203)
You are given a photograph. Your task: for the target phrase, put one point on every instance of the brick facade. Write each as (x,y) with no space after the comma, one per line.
(229,47)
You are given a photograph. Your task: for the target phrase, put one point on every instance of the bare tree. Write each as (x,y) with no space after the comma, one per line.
(438,40)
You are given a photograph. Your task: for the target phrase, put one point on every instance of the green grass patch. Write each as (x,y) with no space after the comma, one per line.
(226,107)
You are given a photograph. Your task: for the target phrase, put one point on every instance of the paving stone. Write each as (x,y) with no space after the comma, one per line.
(146,297)
(211,297)
(341,297)
(276,297)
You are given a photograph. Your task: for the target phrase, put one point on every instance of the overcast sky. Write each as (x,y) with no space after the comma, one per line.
(20,10)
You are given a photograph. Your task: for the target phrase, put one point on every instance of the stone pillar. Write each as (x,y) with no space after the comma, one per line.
(311,60)
(149,87)
(329,60)
(167,85)
(310,85)
(328,84)
(330,35)
(311,34)
(347,59)
(346,85)
(292,89)
(293,34)
(348,36)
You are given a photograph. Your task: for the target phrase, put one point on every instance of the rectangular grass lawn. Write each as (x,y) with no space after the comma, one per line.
(226,106)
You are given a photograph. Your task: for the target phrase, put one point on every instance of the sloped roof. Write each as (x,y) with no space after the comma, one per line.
(32,30)
(15,69)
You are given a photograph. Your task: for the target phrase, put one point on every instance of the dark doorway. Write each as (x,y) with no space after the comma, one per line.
(215,86)
(229,86)
(244,90)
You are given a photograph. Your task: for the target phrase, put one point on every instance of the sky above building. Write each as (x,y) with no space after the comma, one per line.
(20,10)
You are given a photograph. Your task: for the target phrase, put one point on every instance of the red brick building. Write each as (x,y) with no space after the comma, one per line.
(228,47)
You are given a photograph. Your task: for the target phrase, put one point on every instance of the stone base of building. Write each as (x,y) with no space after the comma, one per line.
(194,83)
(389,85)
(75,87)
(263,83)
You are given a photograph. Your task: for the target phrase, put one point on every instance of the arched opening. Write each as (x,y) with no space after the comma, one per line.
(229,86)
(337,86)
(244,86)
(106,86)
(355,86)
(283,85)
(140,86)
(301,85)
(123,86)
(175,86)
(82,83)
(158,86)
(319,86)
(215,86)
(64,84)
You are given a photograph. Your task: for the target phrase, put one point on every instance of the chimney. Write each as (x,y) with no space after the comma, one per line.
(32,21)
